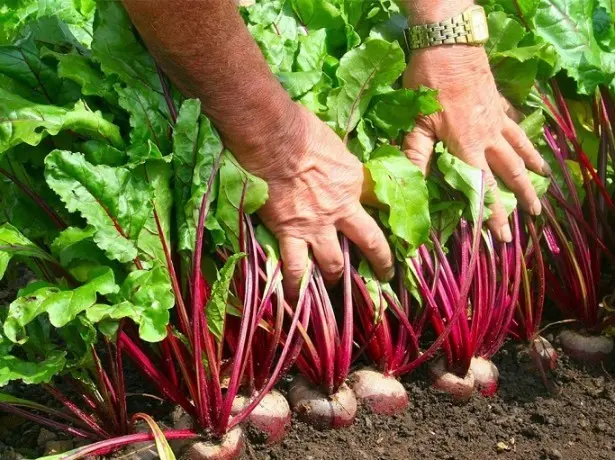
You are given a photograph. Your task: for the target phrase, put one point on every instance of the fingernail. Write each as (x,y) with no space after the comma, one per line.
(536,207)
(389,274)
(546,169)
(505,235)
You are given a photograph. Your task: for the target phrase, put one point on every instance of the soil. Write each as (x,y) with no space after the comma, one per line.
(522,421)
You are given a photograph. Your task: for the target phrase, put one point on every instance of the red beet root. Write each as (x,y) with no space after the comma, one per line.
(583,347)
(382,394)
(543,351)
(270,418)
(460,388)
(321,411)
(229,447)
(486,376)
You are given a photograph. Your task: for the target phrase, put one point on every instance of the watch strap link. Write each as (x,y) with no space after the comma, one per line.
(450,31)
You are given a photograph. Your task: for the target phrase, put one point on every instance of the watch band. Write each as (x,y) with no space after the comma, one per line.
(458,29)
(450,31)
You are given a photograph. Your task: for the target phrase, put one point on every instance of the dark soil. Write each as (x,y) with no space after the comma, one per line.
(523,421)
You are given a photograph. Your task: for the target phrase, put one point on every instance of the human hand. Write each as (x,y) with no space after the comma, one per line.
(314,187)
(474,125)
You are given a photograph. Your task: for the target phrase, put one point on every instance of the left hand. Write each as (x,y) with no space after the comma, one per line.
(474,125)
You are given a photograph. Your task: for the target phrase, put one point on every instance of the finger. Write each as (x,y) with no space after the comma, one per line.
(519,141)
(510,167)
(328,254)
(498,221)
(418,147)
(510,110)
(363,231)
(294,253)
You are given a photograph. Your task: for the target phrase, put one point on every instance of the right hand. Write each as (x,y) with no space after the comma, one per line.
(314,189)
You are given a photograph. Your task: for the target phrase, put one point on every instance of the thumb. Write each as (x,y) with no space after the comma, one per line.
(418,147)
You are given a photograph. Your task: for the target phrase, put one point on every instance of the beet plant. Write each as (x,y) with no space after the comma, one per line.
(111,217)
(567,45)
(469,279)
(578,236)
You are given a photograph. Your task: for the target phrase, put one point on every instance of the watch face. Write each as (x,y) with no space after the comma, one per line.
(480,31)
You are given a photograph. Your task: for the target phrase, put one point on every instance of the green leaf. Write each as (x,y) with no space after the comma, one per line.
(375,288)
(270,245)
(312,51)
(299,83)
(120,53)
(465,179)
(107,317)
(322,14)
(514,68)
(115,201)
(77,244)
(30,372)
(216,307)
(25,121)
(505,33)
(196,145)
(14,243)
(62,306)
(567,26)
(159,175)
(365,141)
(151,294)
(515,79)
(14,14)
(401,185)
(82,70)
(101,153)
(533,125)
(233,179)
(396,112)
(361,73)
(540,183)
(279,51)
(22,63)
(162,445)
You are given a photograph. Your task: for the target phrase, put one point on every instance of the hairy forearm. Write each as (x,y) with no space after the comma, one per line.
(205,49)
(430,11)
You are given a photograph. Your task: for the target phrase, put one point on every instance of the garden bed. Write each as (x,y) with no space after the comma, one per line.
(522,421)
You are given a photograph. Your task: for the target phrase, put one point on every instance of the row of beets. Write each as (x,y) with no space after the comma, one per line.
(473,291)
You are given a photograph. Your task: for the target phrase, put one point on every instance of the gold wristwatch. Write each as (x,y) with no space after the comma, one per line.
(469,27)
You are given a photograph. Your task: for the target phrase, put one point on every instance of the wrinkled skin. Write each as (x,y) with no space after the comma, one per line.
(316,195)
(475,125)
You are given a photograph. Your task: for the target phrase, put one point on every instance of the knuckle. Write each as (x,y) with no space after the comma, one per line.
(294,269)
(491,182)
(416,157)
(334,267)
(373,241)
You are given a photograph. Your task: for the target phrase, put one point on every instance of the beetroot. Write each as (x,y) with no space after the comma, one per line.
(320,396)
(270,419)
(460,388)
(321,410)
(381,394)
(229,447)
(486,376)
(585,347)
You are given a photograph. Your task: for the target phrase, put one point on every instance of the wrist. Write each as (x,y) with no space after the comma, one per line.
(274,145)
(432,11)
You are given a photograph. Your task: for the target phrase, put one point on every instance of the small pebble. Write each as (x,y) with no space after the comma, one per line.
(554,454)
(44,436)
